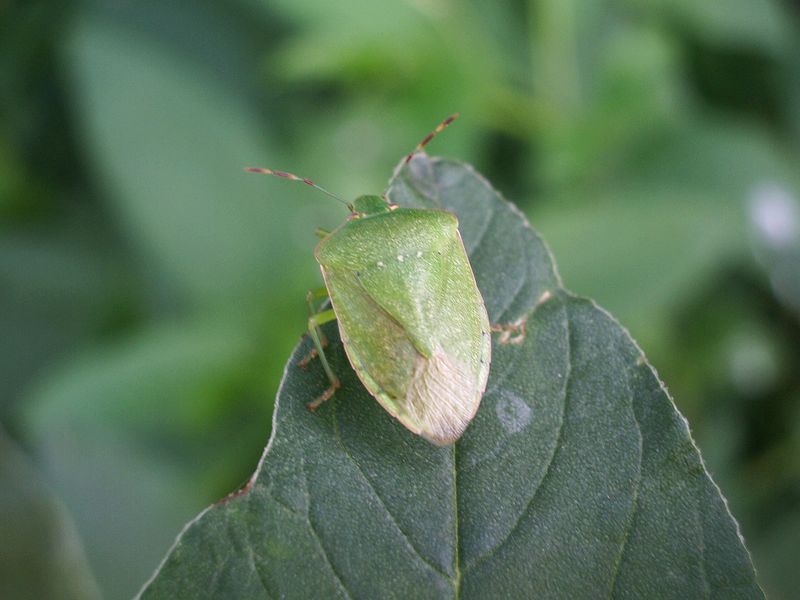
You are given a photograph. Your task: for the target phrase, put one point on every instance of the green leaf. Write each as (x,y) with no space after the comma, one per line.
(683,206)
(138,435)
(40,555)
(774,214)
(58,286)
(169,141)
(578,477)
(761,24)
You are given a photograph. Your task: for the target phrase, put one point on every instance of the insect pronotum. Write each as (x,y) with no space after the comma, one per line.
(410,315)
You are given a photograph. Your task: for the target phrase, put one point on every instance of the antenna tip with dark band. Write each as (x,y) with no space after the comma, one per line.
(431,135)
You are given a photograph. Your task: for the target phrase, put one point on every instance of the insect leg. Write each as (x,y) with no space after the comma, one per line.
(511,333)
(312,310)
(314,322)
(315,294)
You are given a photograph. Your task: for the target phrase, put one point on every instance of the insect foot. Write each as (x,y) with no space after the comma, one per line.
(312,354)
(512,333)
(326,395)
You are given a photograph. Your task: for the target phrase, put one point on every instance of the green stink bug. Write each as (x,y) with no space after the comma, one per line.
(411,318)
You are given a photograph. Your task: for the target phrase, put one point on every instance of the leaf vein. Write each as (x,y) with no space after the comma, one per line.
(417,190)
(496,382)
(457,525)
(262,579)
(635,502)
(514,296)
(482,234)
(559,437)
(375,493)
(702,544)
(320,544)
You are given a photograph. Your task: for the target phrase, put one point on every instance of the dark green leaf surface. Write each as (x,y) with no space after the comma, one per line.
(577,479)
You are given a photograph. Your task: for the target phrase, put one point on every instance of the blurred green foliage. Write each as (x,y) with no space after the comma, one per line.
(150,291)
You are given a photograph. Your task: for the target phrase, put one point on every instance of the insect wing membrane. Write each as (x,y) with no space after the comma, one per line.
(411,317)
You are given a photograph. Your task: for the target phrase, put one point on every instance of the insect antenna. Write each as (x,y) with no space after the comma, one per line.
(432,135)
(294,177)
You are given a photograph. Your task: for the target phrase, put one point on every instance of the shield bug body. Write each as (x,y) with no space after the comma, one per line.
(411,317)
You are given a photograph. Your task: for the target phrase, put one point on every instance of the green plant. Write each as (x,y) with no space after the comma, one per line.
(577,478)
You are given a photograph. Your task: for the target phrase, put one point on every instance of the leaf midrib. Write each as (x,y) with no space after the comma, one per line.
(456,579)
(567,378)
(380,500)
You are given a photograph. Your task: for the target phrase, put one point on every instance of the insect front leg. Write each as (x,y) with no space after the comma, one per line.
(313,310)
(314,323)
(316,294)
(515,332)
(511,333)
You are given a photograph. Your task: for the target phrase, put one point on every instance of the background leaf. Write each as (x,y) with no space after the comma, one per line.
(645,140)
(40,555)
(578,474)
(173,161)
(166,409)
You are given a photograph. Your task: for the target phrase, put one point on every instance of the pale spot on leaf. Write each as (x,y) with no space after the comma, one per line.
(512,412)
